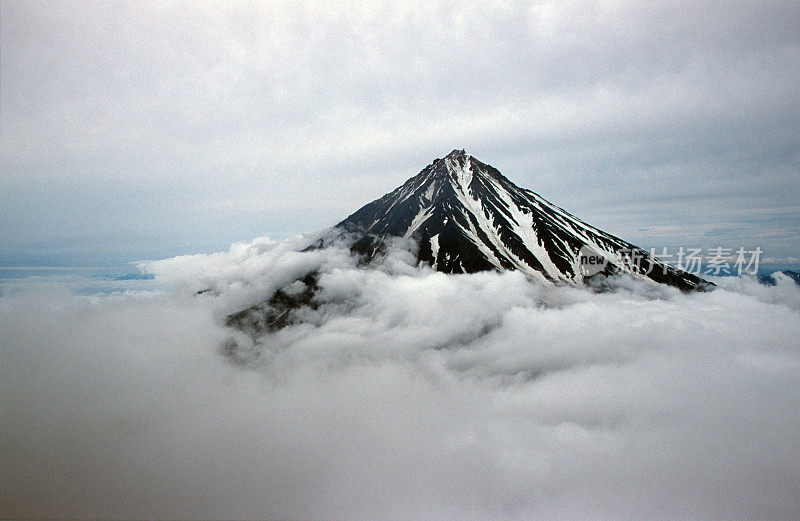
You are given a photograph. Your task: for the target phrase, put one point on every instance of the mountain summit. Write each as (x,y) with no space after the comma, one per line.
(467,217)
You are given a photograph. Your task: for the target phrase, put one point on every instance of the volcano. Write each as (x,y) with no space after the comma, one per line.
(464,216)
(467,217)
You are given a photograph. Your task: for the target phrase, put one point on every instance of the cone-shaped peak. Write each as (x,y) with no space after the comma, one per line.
(466,217)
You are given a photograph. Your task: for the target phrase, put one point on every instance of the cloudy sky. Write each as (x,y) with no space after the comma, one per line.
(148,130)
(142,130)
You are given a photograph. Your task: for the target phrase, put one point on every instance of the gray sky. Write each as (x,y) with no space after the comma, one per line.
(141,130)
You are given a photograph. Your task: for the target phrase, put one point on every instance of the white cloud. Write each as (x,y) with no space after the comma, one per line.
(407,394)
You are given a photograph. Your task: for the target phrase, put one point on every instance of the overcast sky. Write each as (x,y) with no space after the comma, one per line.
(140,130)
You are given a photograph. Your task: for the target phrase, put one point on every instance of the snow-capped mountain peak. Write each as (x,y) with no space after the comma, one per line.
(467,217)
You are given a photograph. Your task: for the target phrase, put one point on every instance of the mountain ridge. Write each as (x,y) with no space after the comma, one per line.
(467,216)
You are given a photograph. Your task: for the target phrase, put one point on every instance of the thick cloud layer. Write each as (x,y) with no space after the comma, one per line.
(406,394)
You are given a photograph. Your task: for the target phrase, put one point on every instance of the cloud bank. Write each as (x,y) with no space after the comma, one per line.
(406,394)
